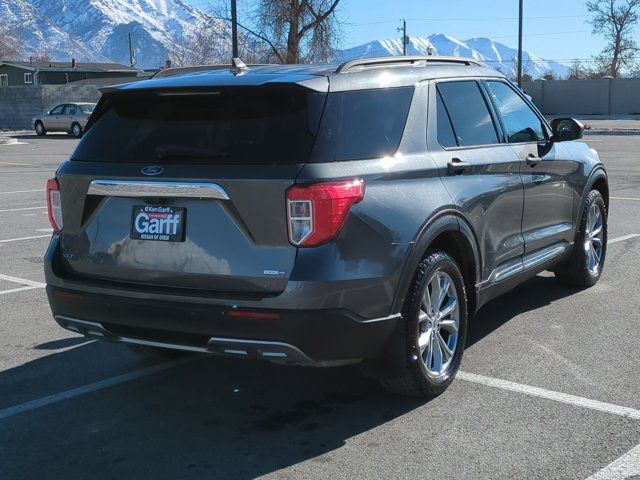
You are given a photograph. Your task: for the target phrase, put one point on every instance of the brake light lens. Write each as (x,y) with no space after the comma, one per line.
(54,204)
(317,212)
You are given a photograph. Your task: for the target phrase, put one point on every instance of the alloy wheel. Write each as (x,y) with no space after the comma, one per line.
(438,323)
(594,239)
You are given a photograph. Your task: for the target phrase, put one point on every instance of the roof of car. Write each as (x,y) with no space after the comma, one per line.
(351,75)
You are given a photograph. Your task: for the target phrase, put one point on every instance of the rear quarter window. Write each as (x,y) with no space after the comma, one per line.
(362,124)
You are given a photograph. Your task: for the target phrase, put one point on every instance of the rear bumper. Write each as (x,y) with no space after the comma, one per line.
(296,336)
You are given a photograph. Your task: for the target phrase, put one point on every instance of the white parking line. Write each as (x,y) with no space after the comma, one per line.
(21,164)
(21,281)
(20,289)
(625,198)
(627,466)
(551,395)
(622,239)
(93,387)
(41,190)
(22,209)
(28,284)
(9,240)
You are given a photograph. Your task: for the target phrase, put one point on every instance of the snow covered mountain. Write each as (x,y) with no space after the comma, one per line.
(494,54)
(92,30)
(97,30)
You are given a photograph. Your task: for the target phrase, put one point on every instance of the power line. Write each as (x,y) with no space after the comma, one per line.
(476,19)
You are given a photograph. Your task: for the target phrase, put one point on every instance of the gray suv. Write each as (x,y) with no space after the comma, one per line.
(319,214)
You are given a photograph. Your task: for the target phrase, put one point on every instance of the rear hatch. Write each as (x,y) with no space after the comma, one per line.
(186,189)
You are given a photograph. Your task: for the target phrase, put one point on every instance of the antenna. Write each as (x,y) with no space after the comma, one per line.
(238,67)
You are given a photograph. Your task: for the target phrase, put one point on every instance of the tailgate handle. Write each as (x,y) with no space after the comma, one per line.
(142,188)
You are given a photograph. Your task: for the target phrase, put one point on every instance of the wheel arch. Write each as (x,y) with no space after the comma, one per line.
(449,231)
(598,180)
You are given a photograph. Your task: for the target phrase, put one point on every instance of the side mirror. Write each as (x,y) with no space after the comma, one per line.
(566,129)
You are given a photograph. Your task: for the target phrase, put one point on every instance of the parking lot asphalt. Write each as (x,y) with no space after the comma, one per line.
(549,385)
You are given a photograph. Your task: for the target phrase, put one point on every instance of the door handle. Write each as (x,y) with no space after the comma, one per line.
(532,160)
(457,167)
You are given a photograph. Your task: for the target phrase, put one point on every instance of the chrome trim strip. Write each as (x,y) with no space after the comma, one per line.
(216,345)
(144,188)
(92,329)
(503,272)
(262,346)
(541,257)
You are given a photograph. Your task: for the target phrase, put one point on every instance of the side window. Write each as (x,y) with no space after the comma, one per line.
(362,124)
(57,110)
(520,121)
(70,110)
(472,122)
(446,135)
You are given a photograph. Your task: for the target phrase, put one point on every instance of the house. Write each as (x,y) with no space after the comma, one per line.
(18,73)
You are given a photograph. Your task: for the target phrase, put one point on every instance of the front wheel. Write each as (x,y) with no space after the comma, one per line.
(584,267)
(435,317)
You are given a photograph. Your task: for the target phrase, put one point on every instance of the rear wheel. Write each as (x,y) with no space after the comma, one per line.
(157,353)
(40,130)
(435,318)
(76,130)
(584,268)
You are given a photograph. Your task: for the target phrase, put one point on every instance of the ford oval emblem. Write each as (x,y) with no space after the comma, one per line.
(152,170)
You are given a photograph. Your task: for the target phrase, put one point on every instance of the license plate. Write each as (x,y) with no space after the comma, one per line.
(164,224)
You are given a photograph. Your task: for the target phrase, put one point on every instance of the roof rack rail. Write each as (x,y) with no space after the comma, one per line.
(403,60)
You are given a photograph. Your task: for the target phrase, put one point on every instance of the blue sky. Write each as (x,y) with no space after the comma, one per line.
(554,29)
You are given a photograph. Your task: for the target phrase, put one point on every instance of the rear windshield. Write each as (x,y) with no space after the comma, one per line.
(232,126)
(86,108)
(362,124)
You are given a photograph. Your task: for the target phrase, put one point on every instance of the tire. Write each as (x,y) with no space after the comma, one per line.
(40,130)
(157,353)
(422,377)
(584,267)
(76,130)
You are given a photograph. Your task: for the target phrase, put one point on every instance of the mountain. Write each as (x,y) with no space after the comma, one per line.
(37,32)
(494,54)
(97,30)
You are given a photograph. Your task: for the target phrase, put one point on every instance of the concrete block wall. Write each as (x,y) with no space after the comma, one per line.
(606,96)
(18,105)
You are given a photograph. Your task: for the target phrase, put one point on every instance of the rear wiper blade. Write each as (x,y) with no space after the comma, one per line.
(165,152)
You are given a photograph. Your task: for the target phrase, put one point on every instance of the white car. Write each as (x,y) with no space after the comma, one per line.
(66,117)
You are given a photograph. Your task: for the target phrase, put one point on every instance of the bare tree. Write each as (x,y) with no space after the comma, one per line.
(9,45)
(291,31)
(42,55)
(204,46)
(526,70)
(615,20)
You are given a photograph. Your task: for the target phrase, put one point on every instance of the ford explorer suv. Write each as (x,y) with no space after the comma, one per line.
(319,214)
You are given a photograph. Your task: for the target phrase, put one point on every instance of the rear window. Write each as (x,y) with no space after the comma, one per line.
(275,126)
(469,113)
(88,109)
(362,124)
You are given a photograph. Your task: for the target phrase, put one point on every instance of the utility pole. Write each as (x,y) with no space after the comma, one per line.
(132,57)
(405,39)
(520,46)
(234,29)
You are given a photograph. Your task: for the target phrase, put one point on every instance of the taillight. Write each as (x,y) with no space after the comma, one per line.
(317,212)
(54,205)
